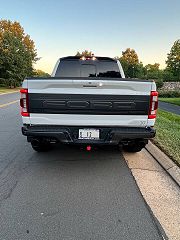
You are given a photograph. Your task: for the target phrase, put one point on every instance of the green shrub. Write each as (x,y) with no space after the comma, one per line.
(169,94)
(159,83)
(11,83)
(168,76)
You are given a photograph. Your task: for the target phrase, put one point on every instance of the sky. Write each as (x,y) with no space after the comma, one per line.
(106,27)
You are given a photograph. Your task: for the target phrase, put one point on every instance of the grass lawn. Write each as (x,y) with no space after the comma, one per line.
(5,90)
(168,134)
(175,101)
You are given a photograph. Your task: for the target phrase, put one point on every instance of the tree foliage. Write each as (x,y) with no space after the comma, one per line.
(134,68)
(40,73)
(152,67)
(168,76)
(173,59)
(85,53)
(17,53)
(153,71)
(130,56)
(130,62)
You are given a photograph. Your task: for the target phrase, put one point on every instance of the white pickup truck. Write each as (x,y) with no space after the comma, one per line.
(88,101)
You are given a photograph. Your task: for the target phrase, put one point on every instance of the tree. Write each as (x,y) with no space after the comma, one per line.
(40,73)
(85,53)
(130,56)
(17,53)
(173,59)
(130,62)
(152,67)
(168,76)
(153,71)
(140,71)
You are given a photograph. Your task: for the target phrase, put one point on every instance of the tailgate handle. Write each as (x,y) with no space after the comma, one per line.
(90,85)
(93,85)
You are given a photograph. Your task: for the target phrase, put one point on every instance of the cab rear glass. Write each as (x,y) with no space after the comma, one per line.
(88,68)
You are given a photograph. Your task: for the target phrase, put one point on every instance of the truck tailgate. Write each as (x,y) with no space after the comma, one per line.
(89,102)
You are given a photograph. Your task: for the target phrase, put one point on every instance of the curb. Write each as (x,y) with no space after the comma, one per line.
(166,163)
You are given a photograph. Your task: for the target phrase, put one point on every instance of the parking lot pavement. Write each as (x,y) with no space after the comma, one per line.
(67,193)
(159,190)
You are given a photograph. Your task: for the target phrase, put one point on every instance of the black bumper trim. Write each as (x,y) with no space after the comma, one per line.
(69,134)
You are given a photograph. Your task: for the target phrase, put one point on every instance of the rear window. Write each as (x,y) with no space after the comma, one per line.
(108,69)
(88,68)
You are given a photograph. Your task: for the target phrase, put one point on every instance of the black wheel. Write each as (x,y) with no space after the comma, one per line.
(40,146)
(135,147)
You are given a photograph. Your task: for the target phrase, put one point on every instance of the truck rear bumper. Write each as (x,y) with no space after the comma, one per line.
(69,134)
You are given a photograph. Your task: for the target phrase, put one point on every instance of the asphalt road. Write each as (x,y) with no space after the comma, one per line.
(169,107)
(67,193)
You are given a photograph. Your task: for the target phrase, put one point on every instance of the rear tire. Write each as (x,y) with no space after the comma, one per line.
(40,146)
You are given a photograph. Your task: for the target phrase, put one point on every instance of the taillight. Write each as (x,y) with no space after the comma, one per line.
(153,105)
(24,102)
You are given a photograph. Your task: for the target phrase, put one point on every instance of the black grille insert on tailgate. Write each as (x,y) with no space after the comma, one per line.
(88,104)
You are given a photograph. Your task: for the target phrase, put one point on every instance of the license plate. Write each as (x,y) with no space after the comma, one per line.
(89,134)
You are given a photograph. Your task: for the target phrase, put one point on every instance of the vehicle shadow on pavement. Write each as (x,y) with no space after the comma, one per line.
(75,153)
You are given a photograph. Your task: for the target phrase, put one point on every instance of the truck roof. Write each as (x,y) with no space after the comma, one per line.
(98,58)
